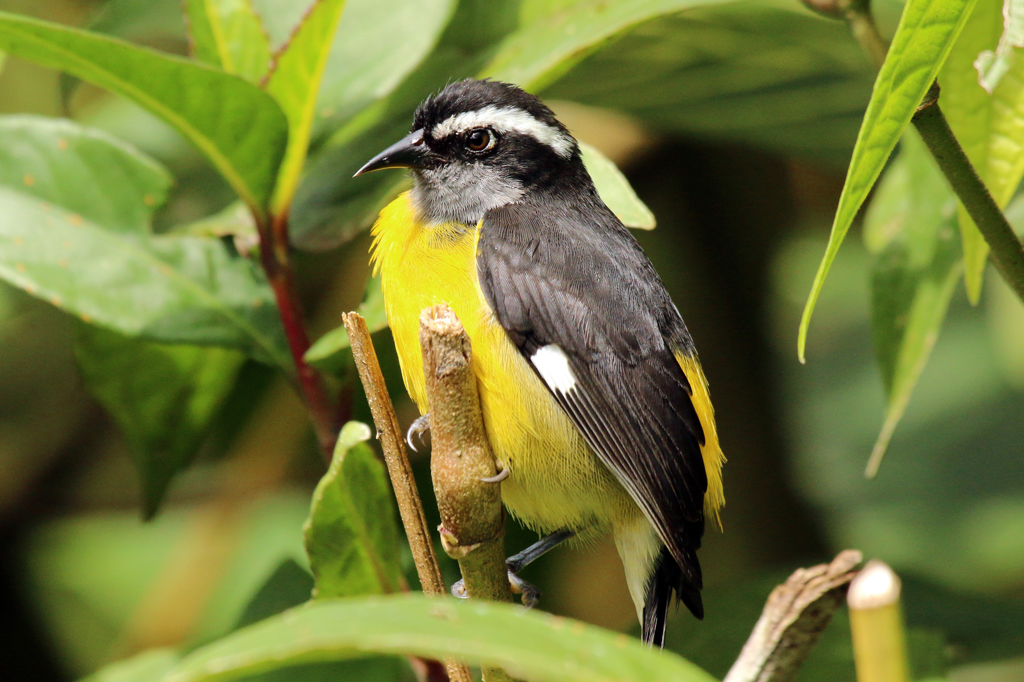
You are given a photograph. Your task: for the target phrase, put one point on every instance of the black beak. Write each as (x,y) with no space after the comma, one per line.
(409,152)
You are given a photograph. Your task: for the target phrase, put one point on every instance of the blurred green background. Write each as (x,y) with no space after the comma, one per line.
(734,123)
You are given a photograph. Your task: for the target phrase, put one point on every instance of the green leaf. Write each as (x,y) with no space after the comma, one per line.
(351,535)
(228,34)
(909,229)
(528,644)
(925,34)
(364,65)
(295,83)
(169,289)
(759,73)
(162,397)
(992,65)
(615,190)
(149,666)
(552,37)
(75,206)
(330,352)
(235,220)
(236,125)
(288,586)
(330,205)
(988,125)
(84,170)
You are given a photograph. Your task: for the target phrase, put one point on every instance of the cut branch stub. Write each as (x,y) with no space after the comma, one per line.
(793,619)
(472,520)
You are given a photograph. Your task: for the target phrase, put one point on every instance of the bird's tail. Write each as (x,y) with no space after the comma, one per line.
(652,576)
(665,579)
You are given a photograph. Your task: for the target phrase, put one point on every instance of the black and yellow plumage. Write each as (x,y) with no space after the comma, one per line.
(592,393)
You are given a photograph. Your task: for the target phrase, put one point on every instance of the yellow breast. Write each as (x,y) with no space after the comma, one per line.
(555,481)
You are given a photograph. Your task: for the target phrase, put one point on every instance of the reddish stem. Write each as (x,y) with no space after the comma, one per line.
(278,268)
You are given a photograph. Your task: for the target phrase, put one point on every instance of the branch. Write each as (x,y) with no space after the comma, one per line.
(1006,248)
(793,619)
(409,506)
(472,521)
(278,268)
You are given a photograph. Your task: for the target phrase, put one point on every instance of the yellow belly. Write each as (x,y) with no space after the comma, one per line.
(555,481)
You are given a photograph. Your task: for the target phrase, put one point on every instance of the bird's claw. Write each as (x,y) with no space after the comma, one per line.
(417,429)
(498,477)
(530,593)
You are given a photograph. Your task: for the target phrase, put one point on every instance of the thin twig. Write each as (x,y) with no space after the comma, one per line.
(472,521)
(1006,248)
(793,619)
(281,275)
(397,459)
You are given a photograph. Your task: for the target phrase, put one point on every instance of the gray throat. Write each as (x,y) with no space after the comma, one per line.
(462,193)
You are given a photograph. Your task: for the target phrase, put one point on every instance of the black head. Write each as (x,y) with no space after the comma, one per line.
(478,145)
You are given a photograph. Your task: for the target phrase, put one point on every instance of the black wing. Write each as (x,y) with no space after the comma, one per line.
(572,276)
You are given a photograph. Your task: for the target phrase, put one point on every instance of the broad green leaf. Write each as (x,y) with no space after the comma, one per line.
(330,205)
(351,535)
(139,20)
(146,22)
(760,73)
(330,351)
(228,34)
(909,229)
(528,644)
(280,17)
(364,65)
(240,129)
(988,124)
(615,190)
(75,207)
(294,82)
(763,73)
(992,65)
(552,37)
(235,220)
(162,397)
(149,666)
(87,172)
(162,288)
(289,585)
(925,34)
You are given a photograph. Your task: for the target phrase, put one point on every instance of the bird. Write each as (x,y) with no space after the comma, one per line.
(593,397)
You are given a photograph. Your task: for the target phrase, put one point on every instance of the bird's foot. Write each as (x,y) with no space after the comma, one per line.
(498,477)
(416,430)
(530,593)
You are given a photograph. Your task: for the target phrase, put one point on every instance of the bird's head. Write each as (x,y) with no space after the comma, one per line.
(479,145)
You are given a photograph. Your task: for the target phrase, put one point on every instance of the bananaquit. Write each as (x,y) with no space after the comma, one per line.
(593,398)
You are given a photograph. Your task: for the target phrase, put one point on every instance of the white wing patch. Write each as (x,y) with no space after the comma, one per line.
(506,120)
(553,366)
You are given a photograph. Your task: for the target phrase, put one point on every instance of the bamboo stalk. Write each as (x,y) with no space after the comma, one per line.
(876,624)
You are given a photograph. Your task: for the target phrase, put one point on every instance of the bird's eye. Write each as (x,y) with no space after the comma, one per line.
(480,140)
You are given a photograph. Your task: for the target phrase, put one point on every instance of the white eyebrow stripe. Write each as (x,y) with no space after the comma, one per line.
(506,120)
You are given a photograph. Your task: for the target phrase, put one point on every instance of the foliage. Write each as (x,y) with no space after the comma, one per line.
(284,101)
